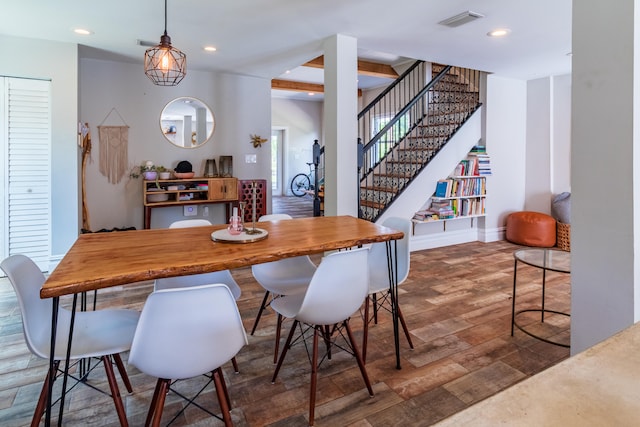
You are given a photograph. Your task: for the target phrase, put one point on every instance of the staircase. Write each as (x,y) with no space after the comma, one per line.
(414,121)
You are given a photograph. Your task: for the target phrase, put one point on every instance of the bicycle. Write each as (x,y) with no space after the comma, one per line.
(303,182)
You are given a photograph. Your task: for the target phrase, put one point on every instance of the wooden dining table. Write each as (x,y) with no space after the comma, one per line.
(101,260)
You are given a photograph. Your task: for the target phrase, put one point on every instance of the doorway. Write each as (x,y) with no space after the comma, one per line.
(25,169)
(278,143)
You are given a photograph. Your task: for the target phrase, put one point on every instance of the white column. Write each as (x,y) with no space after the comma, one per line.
(340,125)
(186,131)
(201,125)
(605,115)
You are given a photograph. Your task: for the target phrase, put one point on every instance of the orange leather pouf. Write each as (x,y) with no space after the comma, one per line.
(531,229)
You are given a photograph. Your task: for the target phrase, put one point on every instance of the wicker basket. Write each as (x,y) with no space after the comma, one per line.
(563,236)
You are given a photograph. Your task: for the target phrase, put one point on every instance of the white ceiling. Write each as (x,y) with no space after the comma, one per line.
(265,38)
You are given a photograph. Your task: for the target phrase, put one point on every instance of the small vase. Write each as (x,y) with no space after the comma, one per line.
(235,226)
(150,175)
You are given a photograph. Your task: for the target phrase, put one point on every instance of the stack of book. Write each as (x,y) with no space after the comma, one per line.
(483,162)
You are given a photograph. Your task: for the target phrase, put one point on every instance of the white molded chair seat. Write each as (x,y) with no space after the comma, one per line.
(184,333)
(335,292)
(379,276)
(101,333)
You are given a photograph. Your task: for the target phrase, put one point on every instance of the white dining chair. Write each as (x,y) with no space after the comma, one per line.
(379,278)
(101,334)
(223,276)
(289,276)
(184,333)
(336,291)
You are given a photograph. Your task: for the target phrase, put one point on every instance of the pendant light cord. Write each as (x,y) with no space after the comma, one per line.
(165,17)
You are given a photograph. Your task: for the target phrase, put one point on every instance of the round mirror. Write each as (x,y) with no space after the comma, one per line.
(187,122)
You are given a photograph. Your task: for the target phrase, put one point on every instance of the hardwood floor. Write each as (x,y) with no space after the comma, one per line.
(456,301)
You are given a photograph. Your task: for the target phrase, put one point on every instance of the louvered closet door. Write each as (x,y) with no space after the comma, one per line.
(26,152)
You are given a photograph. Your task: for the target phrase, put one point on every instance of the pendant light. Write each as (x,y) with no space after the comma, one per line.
(164,64)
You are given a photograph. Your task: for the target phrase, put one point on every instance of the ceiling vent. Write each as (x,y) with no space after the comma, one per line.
(461,19)
(145,43)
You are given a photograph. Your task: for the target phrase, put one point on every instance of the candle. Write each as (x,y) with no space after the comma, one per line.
(253,207)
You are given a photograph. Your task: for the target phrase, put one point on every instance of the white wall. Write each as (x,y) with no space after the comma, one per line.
(506,144)
(302,121)
(57,62)
(538,148)
(605,118)
(561,134)
(241,106)
(548,151)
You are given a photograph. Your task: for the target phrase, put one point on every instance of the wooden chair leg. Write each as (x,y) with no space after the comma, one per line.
(262,307)
(235,365)
(224,386)
(327,339)
(159,404)
(223,397)
(44,393)
(284,351)
(365,330)
(115,392)
(314,376)
(123,372)
(356,354)
(154,401)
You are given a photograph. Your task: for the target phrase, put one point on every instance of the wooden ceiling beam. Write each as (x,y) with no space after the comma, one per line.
(299,86)
(366,68)
(296,86)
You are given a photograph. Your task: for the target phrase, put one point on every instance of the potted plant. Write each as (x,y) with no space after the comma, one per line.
(146,169)
(163,172)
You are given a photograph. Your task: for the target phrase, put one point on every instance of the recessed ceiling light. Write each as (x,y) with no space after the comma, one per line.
(210,48)
(311,94)
(499,32)
(82,31)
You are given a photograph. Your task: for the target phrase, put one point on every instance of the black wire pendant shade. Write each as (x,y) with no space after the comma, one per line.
(164,64)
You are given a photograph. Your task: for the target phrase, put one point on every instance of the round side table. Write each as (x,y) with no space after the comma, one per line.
(546,260)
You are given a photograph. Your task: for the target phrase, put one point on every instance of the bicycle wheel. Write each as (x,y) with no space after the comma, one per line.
(300,184)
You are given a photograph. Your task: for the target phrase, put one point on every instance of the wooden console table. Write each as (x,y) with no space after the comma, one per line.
(176,192)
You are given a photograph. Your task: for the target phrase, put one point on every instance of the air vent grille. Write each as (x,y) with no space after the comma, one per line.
(146,43)
(461,19)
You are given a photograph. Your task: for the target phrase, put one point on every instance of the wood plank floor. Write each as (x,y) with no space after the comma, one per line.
(456,301)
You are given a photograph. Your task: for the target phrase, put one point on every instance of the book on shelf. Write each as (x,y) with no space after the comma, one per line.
(443,188)
(478,149)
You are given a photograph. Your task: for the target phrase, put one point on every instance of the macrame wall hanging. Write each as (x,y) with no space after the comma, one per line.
(113,149)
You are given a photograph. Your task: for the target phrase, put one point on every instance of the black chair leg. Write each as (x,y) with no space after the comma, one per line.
(262,307)
(284,351)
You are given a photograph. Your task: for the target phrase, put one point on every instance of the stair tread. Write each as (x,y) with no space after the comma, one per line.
(405,162)
(376,188)
(376,205)
(392,175)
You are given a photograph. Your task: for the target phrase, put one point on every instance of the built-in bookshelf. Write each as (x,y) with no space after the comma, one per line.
(462,194)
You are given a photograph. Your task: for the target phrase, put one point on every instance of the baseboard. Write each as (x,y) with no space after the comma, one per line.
(448,238)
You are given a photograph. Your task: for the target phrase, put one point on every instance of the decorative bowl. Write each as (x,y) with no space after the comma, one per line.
(164,175)
(152,198)
(184,175)
(150,175)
